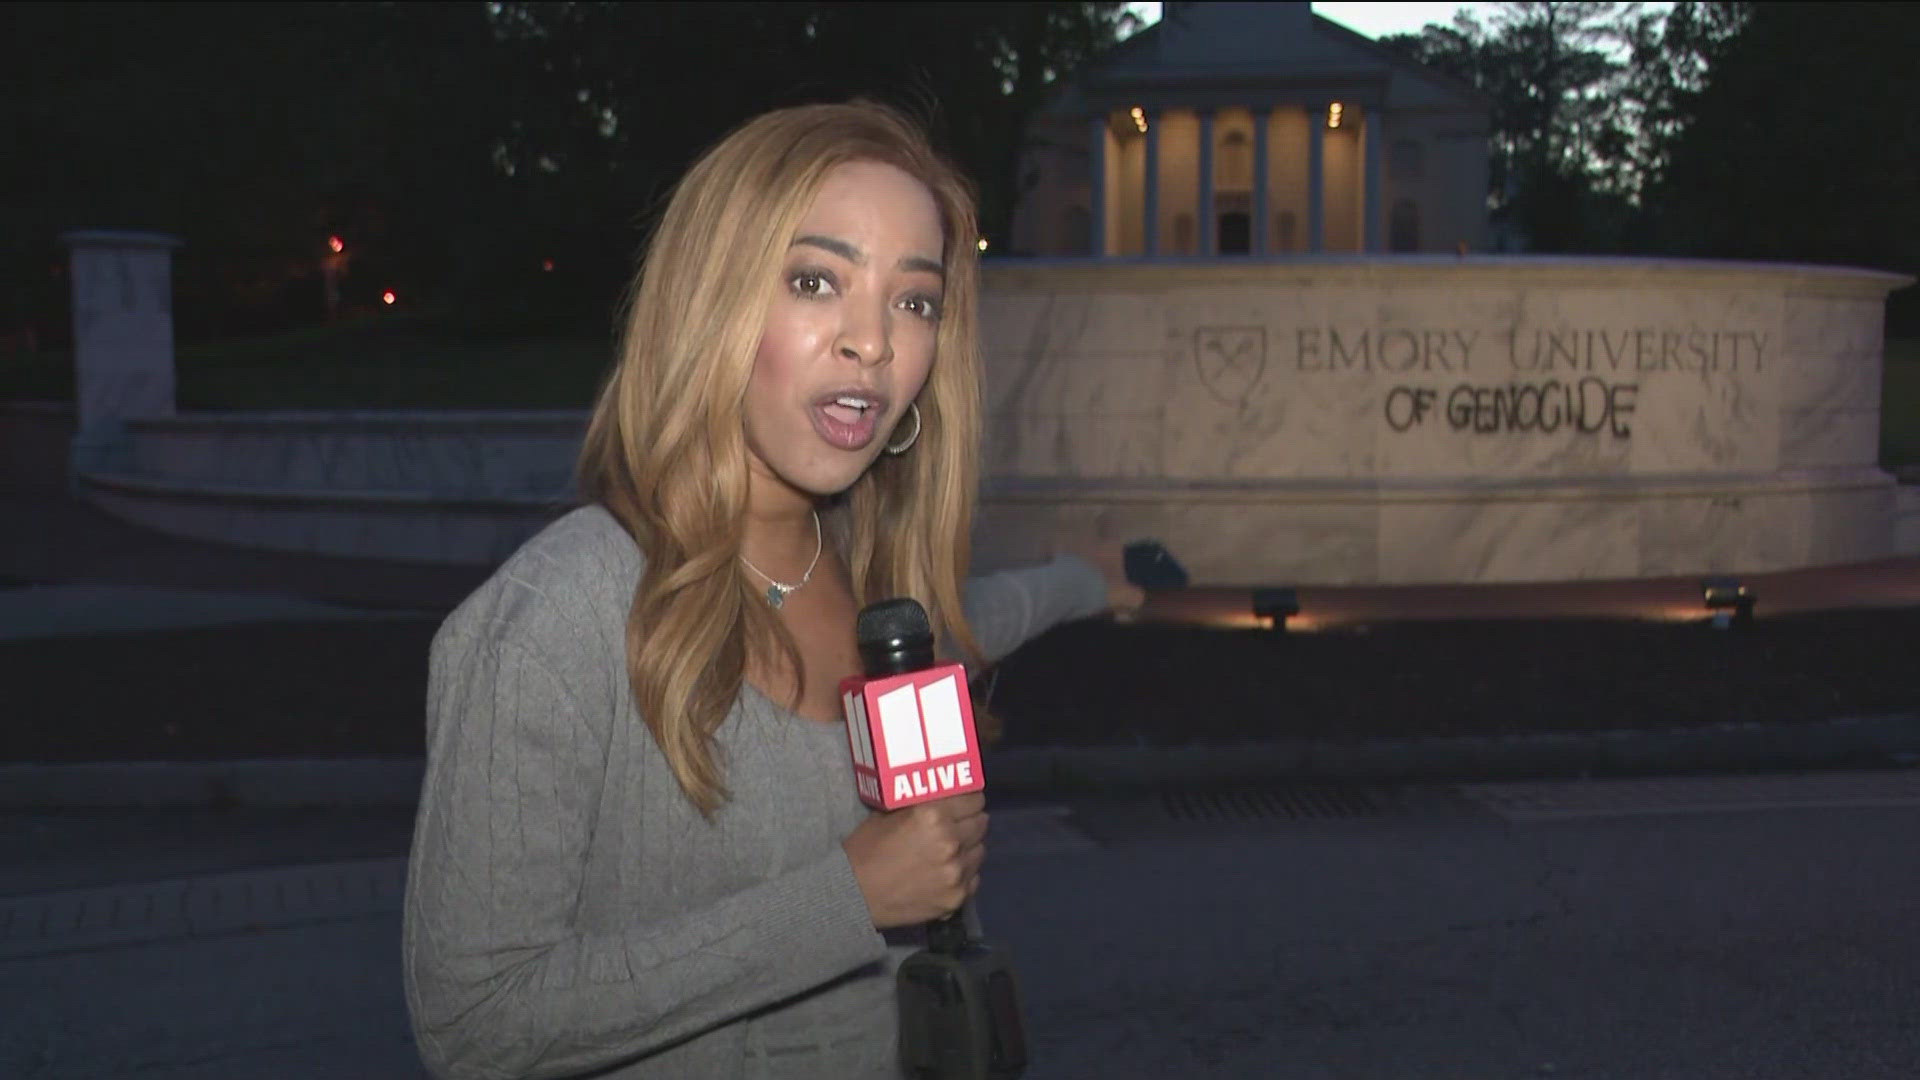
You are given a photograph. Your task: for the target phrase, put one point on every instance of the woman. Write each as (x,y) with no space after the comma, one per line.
(638,850)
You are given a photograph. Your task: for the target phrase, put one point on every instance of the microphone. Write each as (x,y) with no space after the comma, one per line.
(909,720)
(910,730)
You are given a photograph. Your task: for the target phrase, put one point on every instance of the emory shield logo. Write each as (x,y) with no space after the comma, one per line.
(1231,360)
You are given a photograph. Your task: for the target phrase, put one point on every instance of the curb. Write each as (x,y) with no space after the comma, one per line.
(1849,743)
(279,783)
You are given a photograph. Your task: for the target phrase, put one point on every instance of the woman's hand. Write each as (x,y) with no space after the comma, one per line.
(920,863)
(1124,598)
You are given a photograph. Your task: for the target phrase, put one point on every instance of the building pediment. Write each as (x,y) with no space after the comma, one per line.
(1278,50)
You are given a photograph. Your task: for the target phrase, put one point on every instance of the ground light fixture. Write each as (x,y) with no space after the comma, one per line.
(1275,606)
(1728,601)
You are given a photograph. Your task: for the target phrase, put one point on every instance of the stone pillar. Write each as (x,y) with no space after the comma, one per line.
(1261,119)
(122,338)
(1317,179)
(1372,133)
(1097,181)
(1151,241)
(1208,244)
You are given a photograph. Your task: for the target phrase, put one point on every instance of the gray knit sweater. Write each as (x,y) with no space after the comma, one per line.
(568,912)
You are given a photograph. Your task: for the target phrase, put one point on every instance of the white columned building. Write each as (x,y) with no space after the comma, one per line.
(1243,309)
(1244,129)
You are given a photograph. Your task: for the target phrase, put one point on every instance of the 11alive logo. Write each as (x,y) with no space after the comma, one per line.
(912,736)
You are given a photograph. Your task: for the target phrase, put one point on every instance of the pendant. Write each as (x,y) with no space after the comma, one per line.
(776,596)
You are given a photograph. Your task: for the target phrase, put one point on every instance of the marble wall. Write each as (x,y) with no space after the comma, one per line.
(1312,421)
(1439,420)
(441,487)
(398,526)
(457,454)
(122,333)
(431,486)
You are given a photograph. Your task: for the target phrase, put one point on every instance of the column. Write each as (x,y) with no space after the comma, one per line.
(1209,244)
(122,338)
(1316,178)
(1261,225)
(1151,244)
(1372,132)
(1097,183)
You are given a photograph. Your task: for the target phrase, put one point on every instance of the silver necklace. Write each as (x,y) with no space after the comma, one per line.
(777,590)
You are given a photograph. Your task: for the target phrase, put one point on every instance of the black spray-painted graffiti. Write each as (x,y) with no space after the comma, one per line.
(1589,406)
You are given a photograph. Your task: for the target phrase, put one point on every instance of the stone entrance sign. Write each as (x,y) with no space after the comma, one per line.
(1439,420)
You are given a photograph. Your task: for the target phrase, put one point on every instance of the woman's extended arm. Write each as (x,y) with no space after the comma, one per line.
(1008,608)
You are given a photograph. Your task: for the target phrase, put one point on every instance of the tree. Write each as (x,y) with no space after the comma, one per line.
(459,148)
(589,96)
(1671,57)
(1563,170)
(253,131)
(1800,146)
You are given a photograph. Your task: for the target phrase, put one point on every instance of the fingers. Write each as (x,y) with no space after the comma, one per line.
(973,853)
(960,825)
(971,831)
(920,862)
(959,806)
(965,827)
(963,878)
(970,862)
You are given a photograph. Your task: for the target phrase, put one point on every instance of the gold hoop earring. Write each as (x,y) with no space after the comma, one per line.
(897,449)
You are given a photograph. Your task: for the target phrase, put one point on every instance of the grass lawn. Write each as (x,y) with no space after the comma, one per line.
(38,376)
(384,362)
(398,363)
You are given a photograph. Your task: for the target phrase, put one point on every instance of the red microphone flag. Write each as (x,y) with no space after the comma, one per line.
(912,736)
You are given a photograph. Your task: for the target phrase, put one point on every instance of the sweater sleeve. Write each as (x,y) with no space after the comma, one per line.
(500,982)
(1012,607)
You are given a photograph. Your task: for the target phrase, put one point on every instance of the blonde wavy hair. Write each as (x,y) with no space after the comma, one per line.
(665,451)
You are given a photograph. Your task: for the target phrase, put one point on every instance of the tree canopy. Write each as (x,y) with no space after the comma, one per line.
(460,149)
(1721,130)
(1588,99)
(502,159)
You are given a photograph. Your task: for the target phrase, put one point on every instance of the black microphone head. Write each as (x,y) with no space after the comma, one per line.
(892,620)
(895,636)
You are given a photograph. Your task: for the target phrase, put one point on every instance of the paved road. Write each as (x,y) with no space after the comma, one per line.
(1690,928)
